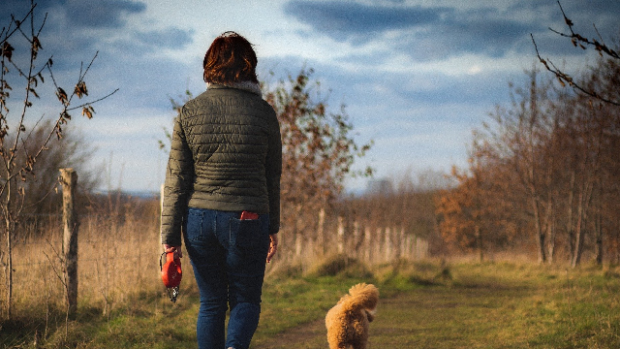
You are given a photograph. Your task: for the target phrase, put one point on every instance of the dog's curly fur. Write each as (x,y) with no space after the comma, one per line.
(348,321)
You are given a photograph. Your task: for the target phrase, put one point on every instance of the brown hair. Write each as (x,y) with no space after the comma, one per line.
(230,58)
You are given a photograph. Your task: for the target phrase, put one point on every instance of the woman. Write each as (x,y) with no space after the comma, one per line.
(225,162)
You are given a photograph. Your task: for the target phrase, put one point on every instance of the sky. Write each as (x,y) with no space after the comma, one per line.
(415,77)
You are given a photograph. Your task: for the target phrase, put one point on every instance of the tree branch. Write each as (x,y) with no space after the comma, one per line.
(10,32)
(583,43)
(564,78)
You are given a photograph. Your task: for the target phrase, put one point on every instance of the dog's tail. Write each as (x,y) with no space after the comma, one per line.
(362,296)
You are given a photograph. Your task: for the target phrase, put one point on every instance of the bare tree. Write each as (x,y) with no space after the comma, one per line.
(517,143)
(25,73)
(318,151)
(71,151)
(552,158)
(579,41)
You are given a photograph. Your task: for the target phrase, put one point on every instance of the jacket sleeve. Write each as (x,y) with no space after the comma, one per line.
(177,186)
(274,172)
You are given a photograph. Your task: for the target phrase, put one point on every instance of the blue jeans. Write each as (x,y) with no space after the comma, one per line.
(228,257)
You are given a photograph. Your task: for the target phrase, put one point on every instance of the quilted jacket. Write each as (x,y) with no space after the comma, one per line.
(226,154)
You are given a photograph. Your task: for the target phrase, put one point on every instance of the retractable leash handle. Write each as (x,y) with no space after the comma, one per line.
(171,274)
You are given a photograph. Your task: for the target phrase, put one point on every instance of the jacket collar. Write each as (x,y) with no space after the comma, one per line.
(243,85)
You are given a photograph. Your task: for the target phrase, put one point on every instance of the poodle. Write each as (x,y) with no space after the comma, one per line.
(348,321)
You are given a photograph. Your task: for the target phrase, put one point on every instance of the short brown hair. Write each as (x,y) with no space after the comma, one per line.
(230,58)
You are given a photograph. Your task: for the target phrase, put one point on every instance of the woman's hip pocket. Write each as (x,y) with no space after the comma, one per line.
(250,235)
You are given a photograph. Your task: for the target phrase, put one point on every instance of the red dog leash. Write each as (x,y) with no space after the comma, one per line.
(171,274)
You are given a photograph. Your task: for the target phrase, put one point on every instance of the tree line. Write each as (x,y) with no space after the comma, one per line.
(544,172)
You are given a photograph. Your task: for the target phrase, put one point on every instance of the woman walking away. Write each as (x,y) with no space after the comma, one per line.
(223,190)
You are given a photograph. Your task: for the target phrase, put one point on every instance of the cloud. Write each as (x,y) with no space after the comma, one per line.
(345,21)
(71,19)
(77,26)
(136,61)
(428,33)
(98,14)
(456,36)
(172,38)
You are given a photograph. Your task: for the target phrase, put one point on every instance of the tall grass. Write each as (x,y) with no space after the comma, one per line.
(119,251)
(118,256)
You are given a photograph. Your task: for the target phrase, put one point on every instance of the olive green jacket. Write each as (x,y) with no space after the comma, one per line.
(226,154)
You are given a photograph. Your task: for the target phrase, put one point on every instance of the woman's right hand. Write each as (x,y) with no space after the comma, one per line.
(176,249)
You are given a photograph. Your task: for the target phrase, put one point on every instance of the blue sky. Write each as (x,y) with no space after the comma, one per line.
(416,76)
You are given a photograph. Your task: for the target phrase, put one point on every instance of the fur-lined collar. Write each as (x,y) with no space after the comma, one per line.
(244,85)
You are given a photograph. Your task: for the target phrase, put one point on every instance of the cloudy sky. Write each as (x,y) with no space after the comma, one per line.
(416,76)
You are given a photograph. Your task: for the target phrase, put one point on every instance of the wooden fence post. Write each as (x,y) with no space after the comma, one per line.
(367,244)
(401,242)
(355,246)
(68,180)
(376,253)
(298,244)
(340,240)
(297,232)
(320,233)
(387,247)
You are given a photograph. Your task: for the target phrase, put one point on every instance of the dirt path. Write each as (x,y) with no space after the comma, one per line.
(308,336)
(466,317)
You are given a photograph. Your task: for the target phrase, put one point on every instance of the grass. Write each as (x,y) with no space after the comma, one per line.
(506,306)
(423,305)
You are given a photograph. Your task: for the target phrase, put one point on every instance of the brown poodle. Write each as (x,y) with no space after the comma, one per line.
(348,321)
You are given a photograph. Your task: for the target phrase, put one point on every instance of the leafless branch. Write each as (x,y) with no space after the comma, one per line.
(9,31)
(93,102)
(583,43)
(565,79)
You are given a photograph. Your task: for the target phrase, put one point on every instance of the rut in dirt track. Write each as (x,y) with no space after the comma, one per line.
(308,336)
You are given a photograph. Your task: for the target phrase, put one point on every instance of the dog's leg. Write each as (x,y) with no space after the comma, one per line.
(337,345)
(359,344)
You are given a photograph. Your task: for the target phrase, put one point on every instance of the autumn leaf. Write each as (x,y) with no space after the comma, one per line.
(80,89)
(36,45)
(62,96)
(7,50)
(58,131)
(33,92)
(88,111)
(64,117)
(561,82)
